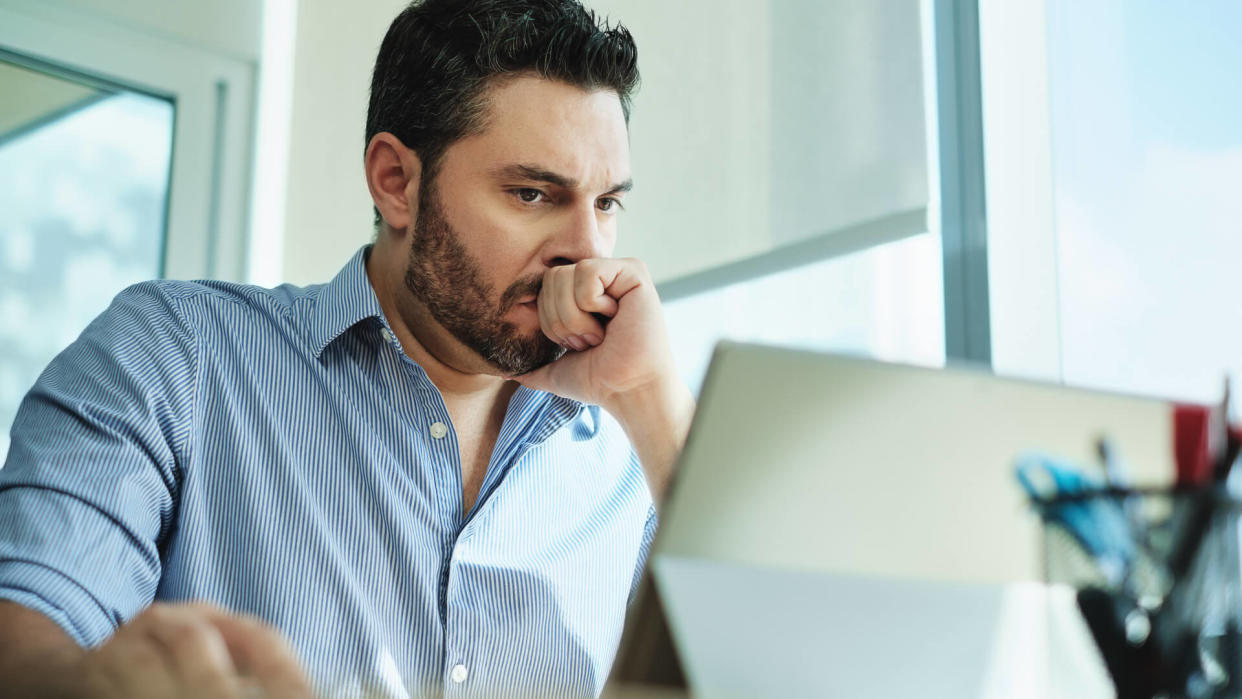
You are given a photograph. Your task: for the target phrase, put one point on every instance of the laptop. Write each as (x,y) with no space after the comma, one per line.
(839,526)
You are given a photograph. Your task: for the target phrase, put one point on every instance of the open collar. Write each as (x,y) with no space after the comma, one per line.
(343,303)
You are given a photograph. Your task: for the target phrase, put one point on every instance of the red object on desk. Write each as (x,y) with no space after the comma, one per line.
(1191,444)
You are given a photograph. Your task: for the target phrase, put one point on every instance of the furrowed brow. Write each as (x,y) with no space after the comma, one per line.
(538,174)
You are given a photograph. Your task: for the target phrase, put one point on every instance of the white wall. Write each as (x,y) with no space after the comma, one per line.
(328,208)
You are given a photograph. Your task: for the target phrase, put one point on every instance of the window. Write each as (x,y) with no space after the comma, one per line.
(1131,170)
(1147,191)
(84,177)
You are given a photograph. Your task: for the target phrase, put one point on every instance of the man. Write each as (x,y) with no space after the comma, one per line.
(434,474)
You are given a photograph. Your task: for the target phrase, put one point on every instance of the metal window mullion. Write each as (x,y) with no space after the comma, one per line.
(963,211)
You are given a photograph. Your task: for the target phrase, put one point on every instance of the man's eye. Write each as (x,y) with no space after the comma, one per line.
(528,195)
(609,205)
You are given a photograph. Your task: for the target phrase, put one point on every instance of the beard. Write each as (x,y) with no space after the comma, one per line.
(449,282)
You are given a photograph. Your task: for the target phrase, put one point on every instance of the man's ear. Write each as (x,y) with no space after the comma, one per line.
(393,175)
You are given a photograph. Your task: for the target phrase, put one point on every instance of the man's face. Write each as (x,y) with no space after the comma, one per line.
(539,187)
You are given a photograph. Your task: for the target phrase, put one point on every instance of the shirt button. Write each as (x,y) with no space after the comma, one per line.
(438,430)
(459,673)
(387,335)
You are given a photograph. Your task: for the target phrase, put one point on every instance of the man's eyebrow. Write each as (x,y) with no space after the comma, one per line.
(621,187)
(538,174)
(531,172)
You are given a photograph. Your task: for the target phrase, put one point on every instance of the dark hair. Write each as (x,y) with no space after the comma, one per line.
(440,56)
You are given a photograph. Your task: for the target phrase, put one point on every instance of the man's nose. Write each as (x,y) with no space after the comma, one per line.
(579,237)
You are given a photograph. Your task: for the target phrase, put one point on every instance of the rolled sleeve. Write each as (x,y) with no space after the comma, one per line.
(89,488)
(57,597)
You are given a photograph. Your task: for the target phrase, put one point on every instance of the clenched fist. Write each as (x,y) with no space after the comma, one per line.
(627,354)
(625,365)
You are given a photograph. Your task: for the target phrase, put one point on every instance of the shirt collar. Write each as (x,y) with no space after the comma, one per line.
(344,302)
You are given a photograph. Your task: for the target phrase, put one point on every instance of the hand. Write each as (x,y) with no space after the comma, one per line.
(604,363)
(192,650)
(626,367)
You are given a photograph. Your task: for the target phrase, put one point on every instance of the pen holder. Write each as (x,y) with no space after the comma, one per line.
(1159,585)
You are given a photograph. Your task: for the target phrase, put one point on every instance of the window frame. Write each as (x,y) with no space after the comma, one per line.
(962,177)
(206,226)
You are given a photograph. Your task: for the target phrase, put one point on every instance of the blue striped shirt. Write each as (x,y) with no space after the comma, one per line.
(276,452)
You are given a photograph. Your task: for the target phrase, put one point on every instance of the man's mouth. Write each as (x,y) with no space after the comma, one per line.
(530,304)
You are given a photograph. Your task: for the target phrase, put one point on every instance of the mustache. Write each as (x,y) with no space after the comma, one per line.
(529,286)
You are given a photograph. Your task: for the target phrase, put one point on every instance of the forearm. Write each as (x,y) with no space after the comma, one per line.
(37,658)
(656,419)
